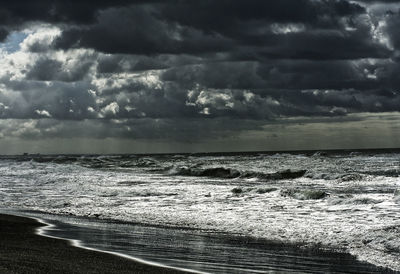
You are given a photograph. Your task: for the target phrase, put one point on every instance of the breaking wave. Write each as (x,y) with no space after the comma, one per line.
(97,162)
(386,173)
(304,194)
(334,176)
(229,173)
(350,200)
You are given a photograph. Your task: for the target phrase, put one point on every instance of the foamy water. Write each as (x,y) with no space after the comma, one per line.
(348,202)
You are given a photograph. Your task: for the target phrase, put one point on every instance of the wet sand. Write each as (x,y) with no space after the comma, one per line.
(22,251)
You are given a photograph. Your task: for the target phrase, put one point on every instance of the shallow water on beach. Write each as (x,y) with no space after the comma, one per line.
(198,250)
(344,201)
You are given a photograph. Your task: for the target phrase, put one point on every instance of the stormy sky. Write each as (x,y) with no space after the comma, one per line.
(190,76)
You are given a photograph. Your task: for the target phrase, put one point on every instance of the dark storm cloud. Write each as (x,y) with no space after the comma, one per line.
(222,75)
(55,11)
(379,1)
(326,45)
(137,30)
(196,27)
(393,23)
(275,74)
(170,129)
(40,100)
(3,34)
(199,27)
(227,15)
(47,69)
(121,63)
(164,66)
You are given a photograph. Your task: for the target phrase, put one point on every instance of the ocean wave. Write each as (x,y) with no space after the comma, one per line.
(218,172)
(279,175)
(350,200)
(96,162)
(229,173)
(132,183)
(239,190)
(386,172)
(304,194)
(101,162)
(320,154)
(266,190)
(334,176)
(51,159)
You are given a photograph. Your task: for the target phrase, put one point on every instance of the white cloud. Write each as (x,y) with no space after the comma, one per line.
(40,38)
(43,113)
(287,28)
(110,109)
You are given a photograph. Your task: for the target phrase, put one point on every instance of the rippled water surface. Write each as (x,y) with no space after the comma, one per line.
(196,250)
(343,201)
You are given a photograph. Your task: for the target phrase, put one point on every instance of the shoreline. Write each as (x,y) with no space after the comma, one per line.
(26,249)
(327,261)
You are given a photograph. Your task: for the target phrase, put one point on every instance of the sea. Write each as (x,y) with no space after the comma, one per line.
(257,212)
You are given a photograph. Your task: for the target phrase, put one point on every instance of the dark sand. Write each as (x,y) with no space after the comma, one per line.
(22,251)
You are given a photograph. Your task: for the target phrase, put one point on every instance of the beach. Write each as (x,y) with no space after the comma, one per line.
(22,251)
(305,212)
(63,245)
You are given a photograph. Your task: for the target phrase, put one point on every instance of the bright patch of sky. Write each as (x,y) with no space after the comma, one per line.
(13,41)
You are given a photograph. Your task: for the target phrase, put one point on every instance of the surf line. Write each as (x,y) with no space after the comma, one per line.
(41,231)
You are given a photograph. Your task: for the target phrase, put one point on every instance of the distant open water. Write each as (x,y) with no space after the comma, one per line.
(340,201)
